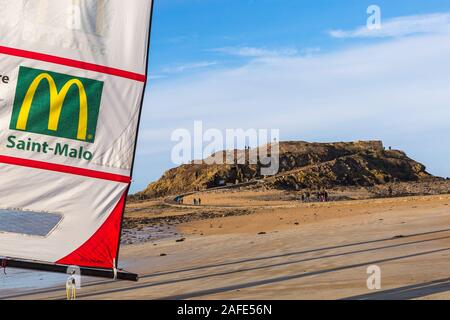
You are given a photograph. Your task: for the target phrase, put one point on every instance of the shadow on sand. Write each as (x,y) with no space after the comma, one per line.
(261,282)
(408,292)
(201,293)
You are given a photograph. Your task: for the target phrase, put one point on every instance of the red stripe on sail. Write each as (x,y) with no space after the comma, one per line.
(64,169)
(100,251)
(72,63)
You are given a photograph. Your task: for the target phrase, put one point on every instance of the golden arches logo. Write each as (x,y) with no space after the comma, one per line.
(62,98)
(56,104)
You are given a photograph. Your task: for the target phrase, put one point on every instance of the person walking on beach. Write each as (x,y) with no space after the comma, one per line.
(199,201)
(195,201)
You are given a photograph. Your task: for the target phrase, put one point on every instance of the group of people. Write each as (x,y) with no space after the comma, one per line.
(321,196)
(179,200)
(195,202)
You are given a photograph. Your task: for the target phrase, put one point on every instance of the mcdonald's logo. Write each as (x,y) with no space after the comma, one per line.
(56,104)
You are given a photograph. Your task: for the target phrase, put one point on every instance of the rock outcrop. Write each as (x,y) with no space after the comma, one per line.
(301,165)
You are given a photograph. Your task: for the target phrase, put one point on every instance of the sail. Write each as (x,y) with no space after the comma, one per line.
(72,79)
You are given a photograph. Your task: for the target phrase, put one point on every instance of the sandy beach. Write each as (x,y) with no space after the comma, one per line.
(281,249)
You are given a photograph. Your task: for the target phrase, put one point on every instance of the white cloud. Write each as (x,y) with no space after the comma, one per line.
(310,51)
(251,52)
(156,77)
(189,66)
(358,82)
(402,26)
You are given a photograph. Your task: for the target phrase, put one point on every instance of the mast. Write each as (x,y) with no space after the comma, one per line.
(58,268)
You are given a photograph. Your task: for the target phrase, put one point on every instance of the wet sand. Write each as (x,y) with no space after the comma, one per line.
(282,249)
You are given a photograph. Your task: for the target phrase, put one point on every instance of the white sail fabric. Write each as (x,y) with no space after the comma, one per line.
(72,75)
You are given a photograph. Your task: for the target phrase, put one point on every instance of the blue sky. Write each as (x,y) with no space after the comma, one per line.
(308,68)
